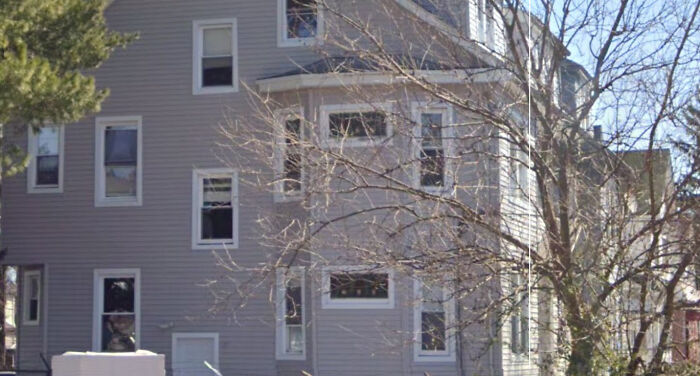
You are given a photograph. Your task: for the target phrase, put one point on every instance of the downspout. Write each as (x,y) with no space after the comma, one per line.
(45,317)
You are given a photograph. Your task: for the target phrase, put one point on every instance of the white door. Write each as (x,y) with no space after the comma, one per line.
(191,350)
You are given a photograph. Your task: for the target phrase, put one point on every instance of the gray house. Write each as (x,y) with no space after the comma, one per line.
(113,224)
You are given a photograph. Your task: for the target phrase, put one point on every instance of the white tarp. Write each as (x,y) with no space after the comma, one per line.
(139,363)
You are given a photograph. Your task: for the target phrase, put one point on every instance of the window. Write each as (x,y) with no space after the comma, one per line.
(291,333)
(485,24)
(433,321)
(215,56)
(355,124)
(31,296)
(518,158)
(288,155)
(519,317)
(118,161)
(299,22)
(215,209)
(357,287)
(191,350)
(45,172)
(433,146)
(117,310)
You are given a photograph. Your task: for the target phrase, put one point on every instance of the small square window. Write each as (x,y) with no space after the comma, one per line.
(45,148)
(215,57)
(214,209)
(299,22)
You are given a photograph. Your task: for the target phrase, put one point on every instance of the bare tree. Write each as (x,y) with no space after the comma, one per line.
(453,142)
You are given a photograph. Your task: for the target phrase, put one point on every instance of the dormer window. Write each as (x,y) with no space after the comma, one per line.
(299,22)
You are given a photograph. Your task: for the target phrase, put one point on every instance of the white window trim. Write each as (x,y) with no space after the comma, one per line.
(326,110)
(101,124)
(284,41)
(420,355)
(418,108)
(26,289)
(355,303)
(98,302)
(281,338)
(197,176)
(281,117)
(177,336)
(197,45)
(32,138)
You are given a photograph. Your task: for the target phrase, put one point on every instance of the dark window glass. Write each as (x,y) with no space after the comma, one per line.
(121,159)
(433,331)
(301,19)
(359,285)
(217,212)
(293,304)
(47,170)
(118,295)
(357,124)
(292,161)
(118,333)
(34,310)
(217,71)
(432,166)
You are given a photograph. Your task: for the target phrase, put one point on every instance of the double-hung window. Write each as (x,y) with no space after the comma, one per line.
(357,287)
(288,155)
(299,22)
(45,172)
(117,310)
(355,124)
(31,297)
(519,317)
(433,132)
(291,331)
(118,161)
(215,209)
(433,321)
(215,56)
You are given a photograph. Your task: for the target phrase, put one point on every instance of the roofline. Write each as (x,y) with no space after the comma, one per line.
(327,80)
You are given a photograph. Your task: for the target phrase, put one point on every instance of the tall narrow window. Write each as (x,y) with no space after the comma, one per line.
(432,135)
(31,297)
(117,306)
(215,209)
(118,161)
(519,318)
(299,22)
(433,318)
(215,57)
(45,147)
(291,338)
(288,158)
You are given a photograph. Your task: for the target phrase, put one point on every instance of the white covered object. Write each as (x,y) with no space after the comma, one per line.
(140,363)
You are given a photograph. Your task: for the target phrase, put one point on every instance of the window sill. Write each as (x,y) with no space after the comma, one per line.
(215,90)
(298,42)
(293,357)
(328,303)
(107,202)
(30,323)
(214,246)
(40,190)
(282,198)
(433,358)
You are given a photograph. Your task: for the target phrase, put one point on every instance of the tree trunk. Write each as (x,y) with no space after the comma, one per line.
(582,352)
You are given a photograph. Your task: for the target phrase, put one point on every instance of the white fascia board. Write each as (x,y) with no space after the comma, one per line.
(325,80)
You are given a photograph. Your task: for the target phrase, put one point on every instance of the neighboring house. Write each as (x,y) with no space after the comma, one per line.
(113,224)
(10,322)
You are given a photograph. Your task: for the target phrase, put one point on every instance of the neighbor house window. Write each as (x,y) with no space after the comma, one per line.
(432,156)
(433,318)
(31,296)
(215,56)
(355,125)
(291,336)
(118,161)
(519,316)
(299,22)
(288,155)
(215,209)
(357,287)
(117,310)
(45,172)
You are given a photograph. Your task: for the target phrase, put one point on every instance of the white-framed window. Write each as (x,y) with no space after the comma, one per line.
(433,323)
(350,125)
(215,56)
(299,23)
(118,161)
(31,297)
(45,170)
(291,328)
(190,352)
(360,287)
(117,310)
(519,315)
(433,133)
(289,179)
(485,22)
(214,208)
